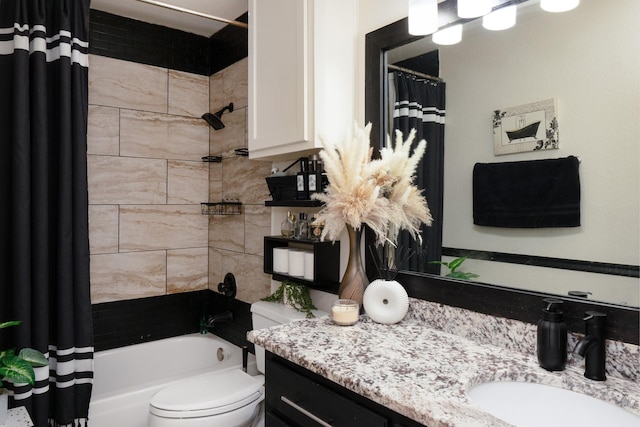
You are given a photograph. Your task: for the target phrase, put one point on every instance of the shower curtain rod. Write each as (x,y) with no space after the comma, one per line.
(196,13)
(415,73)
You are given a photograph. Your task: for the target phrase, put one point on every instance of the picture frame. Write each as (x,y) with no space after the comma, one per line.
(529,127)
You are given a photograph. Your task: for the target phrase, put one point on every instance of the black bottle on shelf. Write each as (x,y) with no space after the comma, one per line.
(302,180)
(552,336)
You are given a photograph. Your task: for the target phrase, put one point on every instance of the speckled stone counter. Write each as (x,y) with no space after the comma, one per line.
(423,372)
(18,417)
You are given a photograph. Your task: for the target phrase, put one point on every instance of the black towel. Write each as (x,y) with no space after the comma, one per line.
(527,194)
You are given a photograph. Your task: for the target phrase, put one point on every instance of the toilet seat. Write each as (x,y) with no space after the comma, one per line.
(207,395)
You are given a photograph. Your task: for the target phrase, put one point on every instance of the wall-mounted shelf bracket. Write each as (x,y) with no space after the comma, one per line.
(221,208)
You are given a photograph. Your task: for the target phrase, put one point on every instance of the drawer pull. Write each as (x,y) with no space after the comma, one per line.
(305,412)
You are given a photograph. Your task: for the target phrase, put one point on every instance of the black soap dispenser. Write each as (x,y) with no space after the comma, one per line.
(552,336)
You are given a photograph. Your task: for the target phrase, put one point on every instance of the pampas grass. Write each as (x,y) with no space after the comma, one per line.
(379,193)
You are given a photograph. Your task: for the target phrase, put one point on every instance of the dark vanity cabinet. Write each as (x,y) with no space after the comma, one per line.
(296,397)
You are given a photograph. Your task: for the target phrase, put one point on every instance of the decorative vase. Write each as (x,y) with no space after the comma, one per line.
(385,301)
(355,279)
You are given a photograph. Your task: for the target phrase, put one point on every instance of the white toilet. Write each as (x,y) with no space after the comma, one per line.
(221,399)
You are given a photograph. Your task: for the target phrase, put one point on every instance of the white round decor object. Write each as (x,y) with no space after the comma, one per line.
(385,301)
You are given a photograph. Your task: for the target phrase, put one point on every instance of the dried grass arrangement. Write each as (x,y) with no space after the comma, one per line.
(379,193)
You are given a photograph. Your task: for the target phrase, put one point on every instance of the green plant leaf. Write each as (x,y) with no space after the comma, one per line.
(5,353)
(446,264)
(9,323)
(462,275)
(16,370)
(453,265)
(33,357)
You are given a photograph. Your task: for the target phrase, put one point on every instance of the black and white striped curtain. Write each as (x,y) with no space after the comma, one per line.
(44,245)
(420,104)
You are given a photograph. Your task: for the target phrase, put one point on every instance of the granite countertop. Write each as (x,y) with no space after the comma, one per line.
(421,372)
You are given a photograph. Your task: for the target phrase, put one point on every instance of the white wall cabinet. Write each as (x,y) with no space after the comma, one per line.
(302,67)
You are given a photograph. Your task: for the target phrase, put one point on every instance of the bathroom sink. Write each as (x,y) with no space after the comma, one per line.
(531,404)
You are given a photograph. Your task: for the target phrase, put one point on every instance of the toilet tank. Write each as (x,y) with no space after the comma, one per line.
(266,314)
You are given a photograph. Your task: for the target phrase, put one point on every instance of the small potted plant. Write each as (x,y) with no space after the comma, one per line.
(17,368)
(453,266)
(295,295)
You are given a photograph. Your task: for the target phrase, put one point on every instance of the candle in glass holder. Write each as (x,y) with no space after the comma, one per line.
(345,312)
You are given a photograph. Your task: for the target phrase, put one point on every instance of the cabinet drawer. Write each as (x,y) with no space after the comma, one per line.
(307,403)
(272,420)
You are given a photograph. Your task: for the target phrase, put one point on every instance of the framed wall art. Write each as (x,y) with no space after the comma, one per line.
(529,127)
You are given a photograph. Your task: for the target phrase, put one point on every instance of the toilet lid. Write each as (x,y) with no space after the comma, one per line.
(208,394)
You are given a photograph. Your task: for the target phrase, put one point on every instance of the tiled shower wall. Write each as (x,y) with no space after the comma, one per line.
(236,241)
(147,180)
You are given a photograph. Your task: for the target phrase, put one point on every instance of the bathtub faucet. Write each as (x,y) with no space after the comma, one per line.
(225,316)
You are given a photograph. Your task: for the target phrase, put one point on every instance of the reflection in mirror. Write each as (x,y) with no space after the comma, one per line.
(590,67)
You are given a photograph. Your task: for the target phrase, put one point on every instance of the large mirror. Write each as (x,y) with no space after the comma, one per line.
(585,60)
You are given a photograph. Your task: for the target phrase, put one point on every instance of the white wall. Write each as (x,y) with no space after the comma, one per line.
(595,77)
(373,14)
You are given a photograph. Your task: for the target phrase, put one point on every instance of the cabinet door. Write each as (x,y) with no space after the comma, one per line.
(279,98)
(304,402)
(272,420)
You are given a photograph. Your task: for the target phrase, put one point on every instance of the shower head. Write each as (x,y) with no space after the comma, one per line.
(215,120)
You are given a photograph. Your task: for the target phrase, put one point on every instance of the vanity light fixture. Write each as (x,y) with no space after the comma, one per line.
(423,17)
(500,19)
(558,5)
(473,8)
(448,36)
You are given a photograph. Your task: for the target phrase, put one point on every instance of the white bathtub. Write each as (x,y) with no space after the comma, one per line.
(126,378)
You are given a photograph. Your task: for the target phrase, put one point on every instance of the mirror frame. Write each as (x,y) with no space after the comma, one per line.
(623,323)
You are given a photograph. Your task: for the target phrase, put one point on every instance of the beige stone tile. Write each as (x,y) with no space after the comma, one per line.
(235,78)
(234,134)
(257,224)
(188,182)
(227,232)
(187,270)
(121,180)
(215,182)
(188,94)
(117,83)
(103,130)
(215,268)
(216,92)
(162,136)
(244,179)
(253,284)
(117,277)
(103,229)
(162,227)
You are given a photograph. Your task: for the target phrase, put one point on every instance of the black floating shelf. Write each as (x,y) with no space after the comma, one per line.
(326,262)
(212,159)
(294,203)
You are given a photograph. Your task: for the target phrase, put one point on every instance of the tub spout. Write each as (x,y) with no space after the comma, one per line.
(225,316)
(592,346)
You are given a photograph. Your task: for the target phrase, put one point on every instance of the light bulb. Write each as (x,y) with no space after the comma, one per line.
(473,8)
(423,17)
(558,5)
(500,19)
(449,35)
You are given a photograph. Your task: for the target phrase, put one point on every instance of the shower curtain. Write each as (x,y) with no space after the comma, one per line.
(44,245)
(420,103)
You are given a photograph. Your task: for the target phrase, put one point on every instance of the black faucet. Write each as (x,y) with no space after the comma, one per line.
(592,346)
(225,316)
